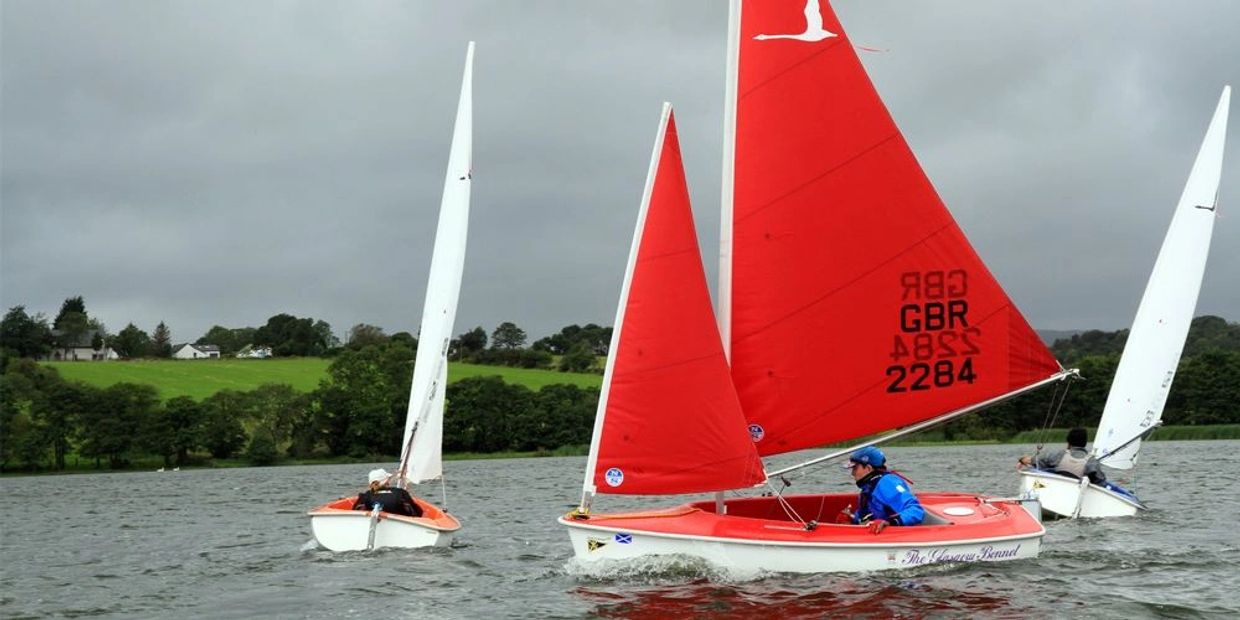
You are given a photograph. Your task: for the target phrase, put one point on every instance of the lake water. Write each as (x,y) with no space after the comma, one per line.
(236,544)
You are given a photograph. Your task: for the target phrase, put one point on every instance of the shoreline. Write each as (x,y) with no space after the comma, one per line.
(1220,432)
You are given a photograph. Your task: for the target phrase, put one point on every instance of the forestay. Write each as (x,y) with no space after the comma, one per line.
(1152,354)
(854,302)
(421,456)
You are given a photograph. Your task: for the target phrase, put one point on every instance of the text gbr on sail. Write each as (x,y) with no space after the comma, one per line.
(934,332)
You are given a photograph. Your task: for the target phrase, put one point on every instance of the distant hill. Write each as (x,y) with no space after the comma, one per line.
(1049,336)
(1207,333)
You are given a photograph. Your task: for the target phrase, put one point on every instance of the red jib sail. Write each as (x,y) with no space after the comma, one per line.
(668,419)
(857,304)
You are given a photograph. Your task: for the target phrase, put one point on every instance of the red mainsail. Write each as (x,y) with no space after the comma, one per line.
(668,420)
(857,305)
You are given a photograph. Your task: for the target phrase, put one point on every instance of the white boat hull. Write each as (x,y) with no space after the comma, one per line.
(1064,497)
(337,532)
(791,558)
(740,542)
(337,527)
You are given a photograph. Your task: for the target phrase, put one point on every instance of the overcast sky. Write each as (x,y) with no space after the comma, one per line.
(216,162)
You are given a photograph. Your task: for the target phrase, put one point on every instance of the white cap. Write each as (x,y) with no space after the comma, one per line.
(378,475)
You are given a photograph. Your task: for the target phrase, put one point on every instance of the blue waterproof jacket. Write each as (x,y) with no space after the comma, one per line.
(886,497)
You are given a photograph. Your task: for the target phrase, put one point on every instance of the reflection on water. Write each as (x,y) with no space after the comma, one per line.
(785,599)
(233,543)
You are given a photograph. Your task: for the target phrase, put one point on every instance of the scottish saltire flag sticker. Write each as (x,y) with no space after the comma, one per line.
(756,432)
(624,539)
(614,477)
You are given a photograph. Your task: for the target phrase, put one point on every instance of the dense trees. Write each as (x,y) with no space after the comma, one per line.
(363,335)
(289,335)
(359,409)
(131,342)
(161,341)
(469,343)
(507,336)
(22,335)
(71,323)
(596,339)
(228,340)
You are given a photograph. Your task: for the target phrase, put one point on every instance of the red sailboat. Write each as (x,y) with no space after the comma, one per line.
(850,304)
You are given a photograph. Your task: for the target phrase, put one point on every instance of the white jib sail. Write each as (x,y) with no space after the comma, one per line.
(422,458)
(1152,353)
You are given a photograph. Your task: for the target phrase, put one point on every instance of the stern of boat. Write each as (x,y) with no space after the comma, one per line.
(1065,498)
(337,527)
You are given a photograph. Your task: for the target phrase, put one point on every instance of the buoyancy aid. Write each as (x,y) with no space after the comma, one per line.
(1073,462)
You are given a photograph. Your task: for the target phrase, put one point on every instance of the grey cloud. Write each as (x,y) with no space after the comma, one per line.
(219,162)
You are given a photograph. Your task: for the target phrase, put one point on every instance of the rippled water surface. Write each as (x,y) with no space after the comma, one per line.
(236,543)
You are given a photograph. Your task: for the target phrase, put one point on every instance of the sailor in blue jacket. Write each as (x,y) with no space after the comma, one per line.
(885,497)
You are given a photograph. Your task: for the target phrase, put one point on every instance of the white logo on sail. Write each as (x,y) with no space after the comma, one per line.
(814,31)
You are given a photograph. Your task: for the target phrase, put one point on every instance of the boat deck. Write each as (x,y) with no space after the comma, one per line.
(432,515)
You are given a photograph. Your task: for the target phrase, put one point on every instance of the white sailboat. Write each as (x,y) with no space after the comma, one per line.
(1147,367)
(336,526)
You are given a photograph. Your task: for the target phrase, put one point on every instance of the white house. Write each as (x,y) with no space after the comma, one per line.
(253,352)
(189,351)
(81,350)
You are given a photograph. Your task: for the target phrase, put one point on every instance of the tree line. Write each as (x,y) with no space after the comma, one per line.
(1205,390)
(573,349)
(358,411)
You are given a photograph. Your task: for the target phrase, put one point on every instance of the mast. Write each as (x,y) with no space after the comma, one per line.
(723,308)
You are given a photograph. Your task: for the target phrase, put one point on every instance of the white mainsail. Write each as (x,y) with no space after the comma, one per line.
(1152,353)
(422,451)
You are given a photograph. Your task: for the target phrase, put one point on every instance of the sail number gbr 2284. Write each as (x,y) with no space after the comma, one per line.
(935,346)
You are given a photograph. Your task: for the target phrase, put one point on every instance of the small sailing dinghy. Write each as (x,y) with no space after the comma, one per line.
(850,302)
(336,526)
(1152,354)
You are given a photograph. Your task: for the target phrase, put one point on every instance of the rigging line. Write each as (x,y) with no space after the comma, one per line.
(789,511)
(1052,414)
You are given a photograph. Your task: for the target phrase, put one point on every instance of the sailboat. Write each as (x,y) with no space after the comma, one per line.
(850,305)
(336,526)
(1148,364)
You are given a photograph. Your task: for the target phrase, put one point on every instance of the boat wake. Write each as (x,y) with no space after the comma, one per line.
(658,570)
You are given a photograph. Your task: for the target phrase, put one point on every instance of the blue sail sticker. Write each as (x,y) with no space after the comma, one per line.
(614,477)
(756,432)
(624,539)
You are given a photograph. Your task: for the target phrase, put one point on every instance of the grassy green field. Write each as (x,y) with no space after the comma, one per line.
(199,379)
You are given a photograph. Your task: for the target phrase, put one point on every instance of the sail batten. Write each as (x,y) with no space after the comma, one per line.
(855,303)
